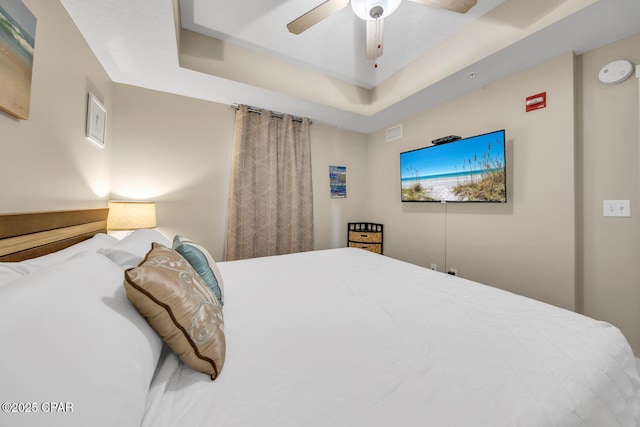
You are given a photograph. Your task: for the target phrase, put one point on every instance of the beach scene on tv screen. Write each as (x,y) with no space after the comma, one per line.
(469,170)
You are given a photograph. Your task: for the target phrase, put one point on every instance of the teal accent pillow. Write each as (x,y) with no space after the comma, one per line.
(203,263)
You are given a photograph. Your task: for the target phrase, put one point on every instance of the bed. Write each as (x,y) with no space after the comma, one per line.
(339,337)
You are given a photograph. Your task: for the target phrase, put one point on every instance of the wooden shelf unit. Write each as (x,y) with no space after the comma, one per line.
(365,235)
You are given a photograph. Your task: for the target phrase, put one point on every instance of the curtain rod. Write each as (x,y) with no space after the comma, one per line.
(261,110)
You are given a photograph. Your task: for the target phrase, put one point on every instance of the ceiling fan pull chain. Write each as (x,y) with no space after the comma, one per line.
(377,39)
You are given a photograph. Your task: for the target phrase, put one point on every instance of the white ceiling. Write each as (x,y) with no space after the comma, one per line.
(135,41)
(336,45)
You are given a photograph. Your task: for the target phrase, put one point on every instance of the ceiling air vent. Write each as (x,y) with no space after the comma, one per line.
(394,133)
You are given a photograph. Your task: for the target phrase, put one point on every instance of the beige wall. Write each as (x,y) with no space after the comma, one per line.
(336,147)
(177,151)
(525,246)
(609,262)
(46,162)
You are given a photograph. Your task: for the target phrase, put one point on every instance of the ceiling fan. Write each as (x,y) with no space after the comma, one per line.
(373,12)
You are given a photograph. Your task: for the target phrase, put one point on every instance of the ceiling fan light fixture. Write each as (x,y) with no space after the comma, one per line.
(374,9)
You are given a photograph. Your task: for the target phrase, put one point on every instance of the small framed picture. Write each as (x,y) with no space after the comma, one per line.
(96,120)
(338,181)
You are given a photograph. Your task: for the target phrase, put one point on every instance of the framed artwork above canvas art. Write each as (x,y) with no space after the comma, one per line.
(96,120)
(17,46)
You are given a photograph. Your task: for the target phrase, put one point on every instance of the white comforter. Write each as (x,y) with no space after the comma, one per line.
(345,337)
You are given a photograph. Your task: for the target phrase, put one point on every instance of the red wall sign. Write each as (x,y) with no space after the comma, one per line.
(536,102)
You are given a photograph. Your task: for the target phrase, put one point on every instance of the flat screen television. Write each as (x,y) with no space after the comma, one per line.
(467,170)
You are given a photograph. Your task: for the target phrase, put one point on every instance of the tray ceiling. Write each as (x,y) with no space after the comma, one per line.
(428,53)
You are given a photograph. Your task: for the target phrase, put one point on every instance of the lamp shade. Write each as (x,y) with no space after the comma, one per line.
(128,215)
(373,9)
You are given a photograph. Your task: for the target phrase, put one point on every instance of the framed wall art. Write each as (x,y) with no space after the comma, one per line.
(338,181)
(17,46)
(96,120)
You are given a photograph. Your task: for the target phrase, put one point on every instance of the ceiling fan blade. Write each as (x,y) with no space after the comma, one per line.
(460,6)
(375,30)
(316,15)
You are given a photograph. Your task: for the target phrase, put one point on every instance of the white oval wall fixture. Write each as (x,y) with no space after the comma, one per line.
(615,72)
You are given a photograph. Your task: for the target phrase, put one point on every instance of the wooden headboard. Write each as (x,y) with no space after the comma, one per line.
(29,235)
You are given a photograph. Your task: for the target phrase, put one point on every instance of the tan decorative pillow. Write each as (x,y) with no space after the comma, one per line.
(179,305)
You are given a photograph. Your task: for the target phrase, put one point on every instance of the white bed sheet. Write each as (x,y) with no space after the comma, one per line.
(345,337)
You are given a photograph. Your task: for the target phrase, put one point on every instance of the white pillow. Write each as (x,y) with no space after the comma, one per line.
(121,258)
(139,242)
(70,335)
(90,245)
(131,250)
(10,271)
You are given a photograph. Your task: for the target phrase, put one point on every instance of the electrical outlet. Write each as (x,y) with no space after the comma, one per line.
(453,271)
(619,208)
(434,266)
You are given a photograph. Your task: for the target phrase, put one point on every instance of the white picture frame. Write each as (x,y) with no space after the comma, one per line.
(96,128)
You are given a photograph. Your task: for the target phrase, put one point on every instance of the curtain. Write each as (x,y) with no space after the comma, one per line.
(271,195)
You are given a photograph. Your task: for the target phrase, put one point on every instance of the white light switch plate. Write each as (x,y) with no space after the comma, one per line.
(619,208)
